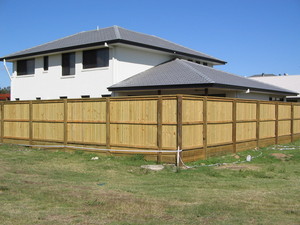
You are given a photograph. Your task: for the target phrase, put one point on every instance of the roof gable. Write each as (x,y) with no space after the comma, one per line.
(183,74)
(112,34)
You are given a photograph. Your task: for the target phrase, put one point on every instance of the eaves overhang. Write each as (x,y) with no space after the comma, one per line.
(115,41)
(208,85)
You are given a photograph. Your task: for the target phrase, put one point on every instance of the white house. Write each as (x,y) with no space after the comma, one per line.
(289,82)
(99,63)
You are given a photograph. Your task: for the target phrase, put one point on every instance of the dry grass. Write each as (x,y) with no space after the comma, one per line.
(46,187)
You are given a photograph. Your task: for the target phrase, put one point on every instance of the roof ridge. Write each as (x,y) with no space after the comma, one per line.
(117,32)
(185,63)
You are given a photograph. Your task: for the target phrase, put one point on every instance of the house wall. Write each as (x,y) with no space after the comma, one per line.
(123,63)
(289,82)
(131,61)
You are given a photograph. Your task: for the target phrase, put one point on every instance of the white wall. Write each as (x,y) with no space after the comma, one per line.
(131,61)
(289,82)
(124,62)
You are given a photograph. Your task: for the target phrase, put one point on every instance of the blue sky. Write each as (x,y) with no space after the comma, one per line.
(253,36)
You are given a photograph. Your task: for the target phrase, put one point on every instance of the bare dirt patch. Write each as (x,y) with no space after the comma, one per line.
(238,167)
(281,156)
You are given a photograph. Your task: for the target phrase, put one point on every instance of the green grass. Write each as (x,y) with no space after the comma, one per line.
(54,187)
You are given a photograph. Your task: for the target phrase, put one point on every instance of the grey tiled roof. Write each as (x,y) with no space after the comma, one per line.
(111,35)
(181,73)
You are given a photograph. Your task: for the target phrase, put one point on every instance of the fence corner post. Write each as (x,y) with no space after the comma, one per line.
(2,122)
(205,126)
(30,123)
(108,123)
(159,128)
(179,124)
(234,109)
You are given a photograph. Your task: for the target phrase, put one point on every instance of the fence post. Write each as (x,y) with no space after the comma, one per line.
(65,101)
(292,122)
(276,123)
(159,128)
(205,127)
(234,125)
(179,123)
(108,123)
(2,121)
(257,122)
(30,123)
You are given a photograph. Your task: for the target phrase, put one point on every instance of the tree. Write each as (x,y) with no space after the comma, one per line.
(5,90)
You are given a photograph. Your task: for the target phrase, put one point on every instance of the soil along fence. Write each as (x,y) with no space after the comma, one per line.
(200,126)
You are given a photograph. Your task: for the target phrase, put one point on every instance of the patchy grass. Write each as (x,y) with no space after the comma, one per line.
(49,187)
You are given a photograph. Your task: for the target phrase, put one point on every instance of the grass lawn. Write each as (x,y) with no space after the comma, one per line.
(54,187)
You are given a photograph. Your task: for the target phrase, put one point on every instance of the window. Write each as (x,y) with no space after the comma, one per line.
(38,98)
(68,64)
(63,97)
(46,63)
(85,96)
(205,64)
(95,58)
(25,67)
(17,99)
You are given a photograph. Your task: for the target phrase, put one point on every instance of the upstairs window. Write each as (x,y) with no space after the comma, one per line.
(68,64)
(25,67)
(46,63)
(95,58)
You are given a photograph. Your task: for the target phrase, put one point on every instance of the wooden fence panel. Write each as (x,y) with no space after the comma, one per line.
(192,110)
(297,111)
(267,129)
(17,130)
(219,134)
(246,131)
(132,135)
(246,111)
(48,132)
(267,111)
(284,112)
(48,111)
(88,111)
(296,126)
(219,111)
(138,111)
(16,111)
(87,133)
(284,128)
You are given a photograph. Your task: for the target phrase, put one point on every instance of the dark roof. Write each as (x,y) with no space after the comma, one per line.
(111,35)
(181,73)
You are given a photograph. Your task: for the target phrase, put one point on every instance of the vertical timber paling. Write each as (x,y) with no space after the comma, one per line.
(179,123)
(234,125)
(108,123)
(276,122)
(159,127)
(2,121)
(292,122)
(65,101)
(30,123)
(205,127)
(257,123)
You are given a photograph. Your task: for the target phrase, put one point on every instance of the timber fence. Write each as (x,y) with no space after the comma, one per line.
(200,126)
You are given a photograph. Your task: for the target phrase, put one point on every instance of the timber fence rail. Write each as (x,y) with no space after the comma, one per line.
(200,126)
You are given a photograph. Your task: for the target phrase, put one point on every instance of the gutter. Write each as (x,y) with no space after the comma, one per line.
(212,85)
(115,41)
